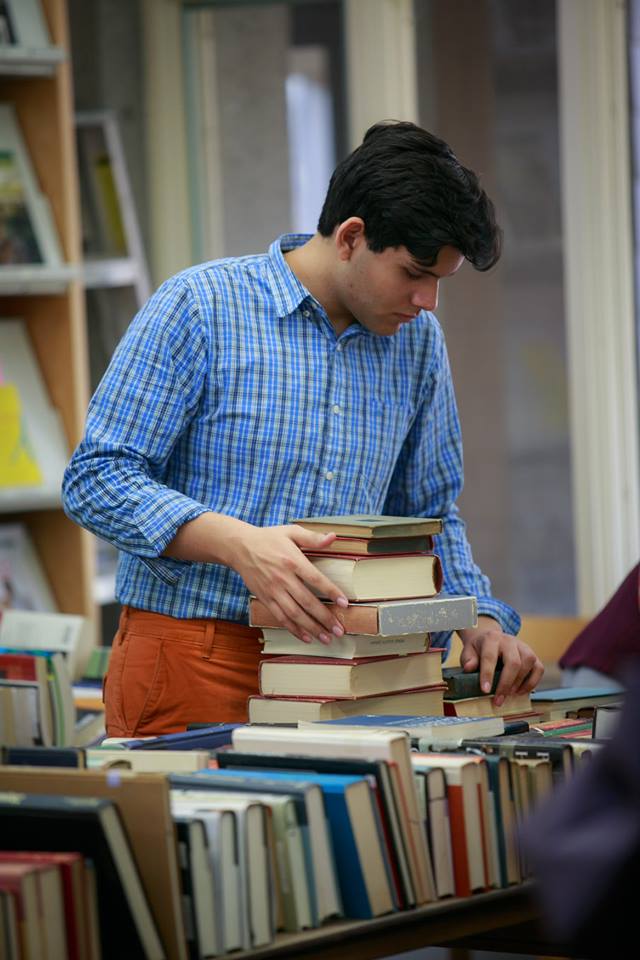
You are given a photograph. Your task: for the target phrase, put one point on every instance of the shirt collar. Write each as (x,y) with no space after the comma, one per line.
(286,290)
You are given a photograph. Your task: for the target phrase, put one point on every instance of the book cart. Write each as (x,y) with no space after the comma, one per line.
(46,295)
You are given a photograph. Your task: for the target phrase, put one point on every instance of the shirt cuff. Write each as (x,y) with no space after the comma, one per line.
(506,616)
(159,521)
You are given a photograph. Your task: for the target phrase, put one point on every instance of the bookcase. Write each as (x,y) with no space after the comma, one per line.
(48,298)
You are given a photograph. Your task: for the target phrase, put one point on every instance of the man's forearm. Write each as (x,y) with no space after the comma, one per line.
(210,538)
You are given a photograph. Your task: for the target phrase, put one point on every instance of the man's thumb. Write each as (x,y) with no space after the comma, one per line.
(469,660)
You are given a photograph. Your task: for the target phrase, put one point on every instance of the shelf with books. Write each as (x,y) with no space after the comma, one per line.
(43,294)
(25,44)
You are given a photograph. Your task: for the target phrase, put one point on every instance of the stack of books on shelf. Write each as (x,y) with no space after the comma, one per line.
(386,568)
(40,654)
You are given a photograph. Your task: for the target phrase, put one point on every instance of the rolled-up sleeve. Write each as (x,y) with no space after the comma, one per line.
(427,481)
(113,485)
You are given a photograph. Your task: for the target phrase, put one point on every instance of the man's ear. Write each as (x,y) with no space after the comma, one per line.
(349,235)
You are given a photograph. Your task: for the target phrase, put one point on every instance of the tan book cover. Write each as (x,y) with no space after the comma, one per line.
(392,617)
(152,838)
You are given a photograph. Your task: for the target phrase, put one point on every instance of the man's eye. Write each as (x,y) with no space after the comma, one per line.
(411,274)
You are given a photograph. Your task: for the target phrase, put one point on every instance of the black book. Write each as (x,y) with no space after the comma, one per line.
(90,826)
(44,756)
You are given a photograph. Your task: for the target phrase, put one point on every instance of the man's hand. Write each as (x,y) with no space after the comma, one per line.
(271,563)
(482,645)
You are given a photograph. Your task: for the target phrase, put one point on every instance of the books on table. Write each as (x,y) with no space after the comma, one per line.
(557,702)
(384,653)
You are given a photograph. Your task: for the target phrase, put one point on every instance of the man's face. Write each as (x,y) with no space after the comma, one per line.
(382,291)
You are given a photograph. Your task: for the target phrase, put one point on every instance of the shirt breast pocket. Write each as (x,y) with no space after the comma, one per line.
(386,424)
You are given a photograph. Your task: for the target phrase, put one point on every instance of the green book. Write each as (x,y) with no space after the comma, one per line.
(461,685)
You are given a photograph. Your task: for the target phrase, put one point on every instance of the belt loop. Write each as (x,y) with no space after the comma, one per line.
(207,643)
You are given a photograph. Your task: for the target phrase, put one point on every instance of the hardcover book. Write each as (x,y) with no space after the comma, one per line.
(382,577)
(391,618)
(350,646)
(423,728)
(365,546)
(299,676)
(289,709)
(462,685)
(518,705)
(372,527)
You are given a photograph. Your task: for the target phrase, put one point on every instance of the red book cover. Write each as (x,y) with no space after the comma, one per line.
(458,841)
(18,666)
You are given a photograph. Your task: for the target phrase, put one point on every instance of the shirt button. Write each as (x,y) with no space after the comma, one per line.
(336,408)
(338,346)
(329,475)
(306,313)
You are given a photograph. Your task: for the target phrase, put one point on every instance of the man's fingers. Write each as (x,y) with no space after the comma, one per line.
(308,540)
(307,613)
(531,680)
(488,660)
(323,586)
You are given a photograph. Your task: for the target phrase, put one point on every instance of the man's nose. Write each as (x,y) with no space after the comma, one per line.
(425,296)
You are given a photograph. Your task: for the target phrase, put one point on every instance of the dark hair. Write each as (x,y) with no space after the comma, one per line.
(410,190)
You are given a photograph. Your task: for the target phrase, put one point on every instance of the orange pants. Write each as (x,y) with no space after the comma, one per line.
(165,673)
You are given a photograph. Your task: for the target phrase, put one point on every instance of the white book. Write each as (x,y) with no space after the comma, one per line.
(148,761)
(253,858)
(28,23)
(349,646)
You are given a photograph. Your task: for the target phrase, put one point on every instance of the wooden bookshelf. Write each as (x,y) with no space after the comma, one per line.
(491,917)
(55,320)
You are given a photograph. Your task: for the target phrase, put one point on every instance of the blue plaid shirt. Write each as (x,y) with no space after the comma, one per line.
(231,392)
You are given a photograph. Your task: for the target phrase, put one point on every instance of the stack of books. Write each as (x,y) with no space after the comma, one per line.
(386,568)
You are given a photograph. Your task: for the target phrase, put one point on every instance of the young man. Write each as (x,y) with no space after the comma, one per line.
(247,392)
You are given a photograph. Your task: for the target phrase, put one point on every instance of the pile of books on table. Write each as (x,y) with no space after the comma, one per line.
(383,664)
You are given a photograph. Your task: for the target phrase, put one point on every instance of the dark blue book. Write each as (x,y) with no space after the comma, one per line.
(421,728)
(205,738)
(44,756)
